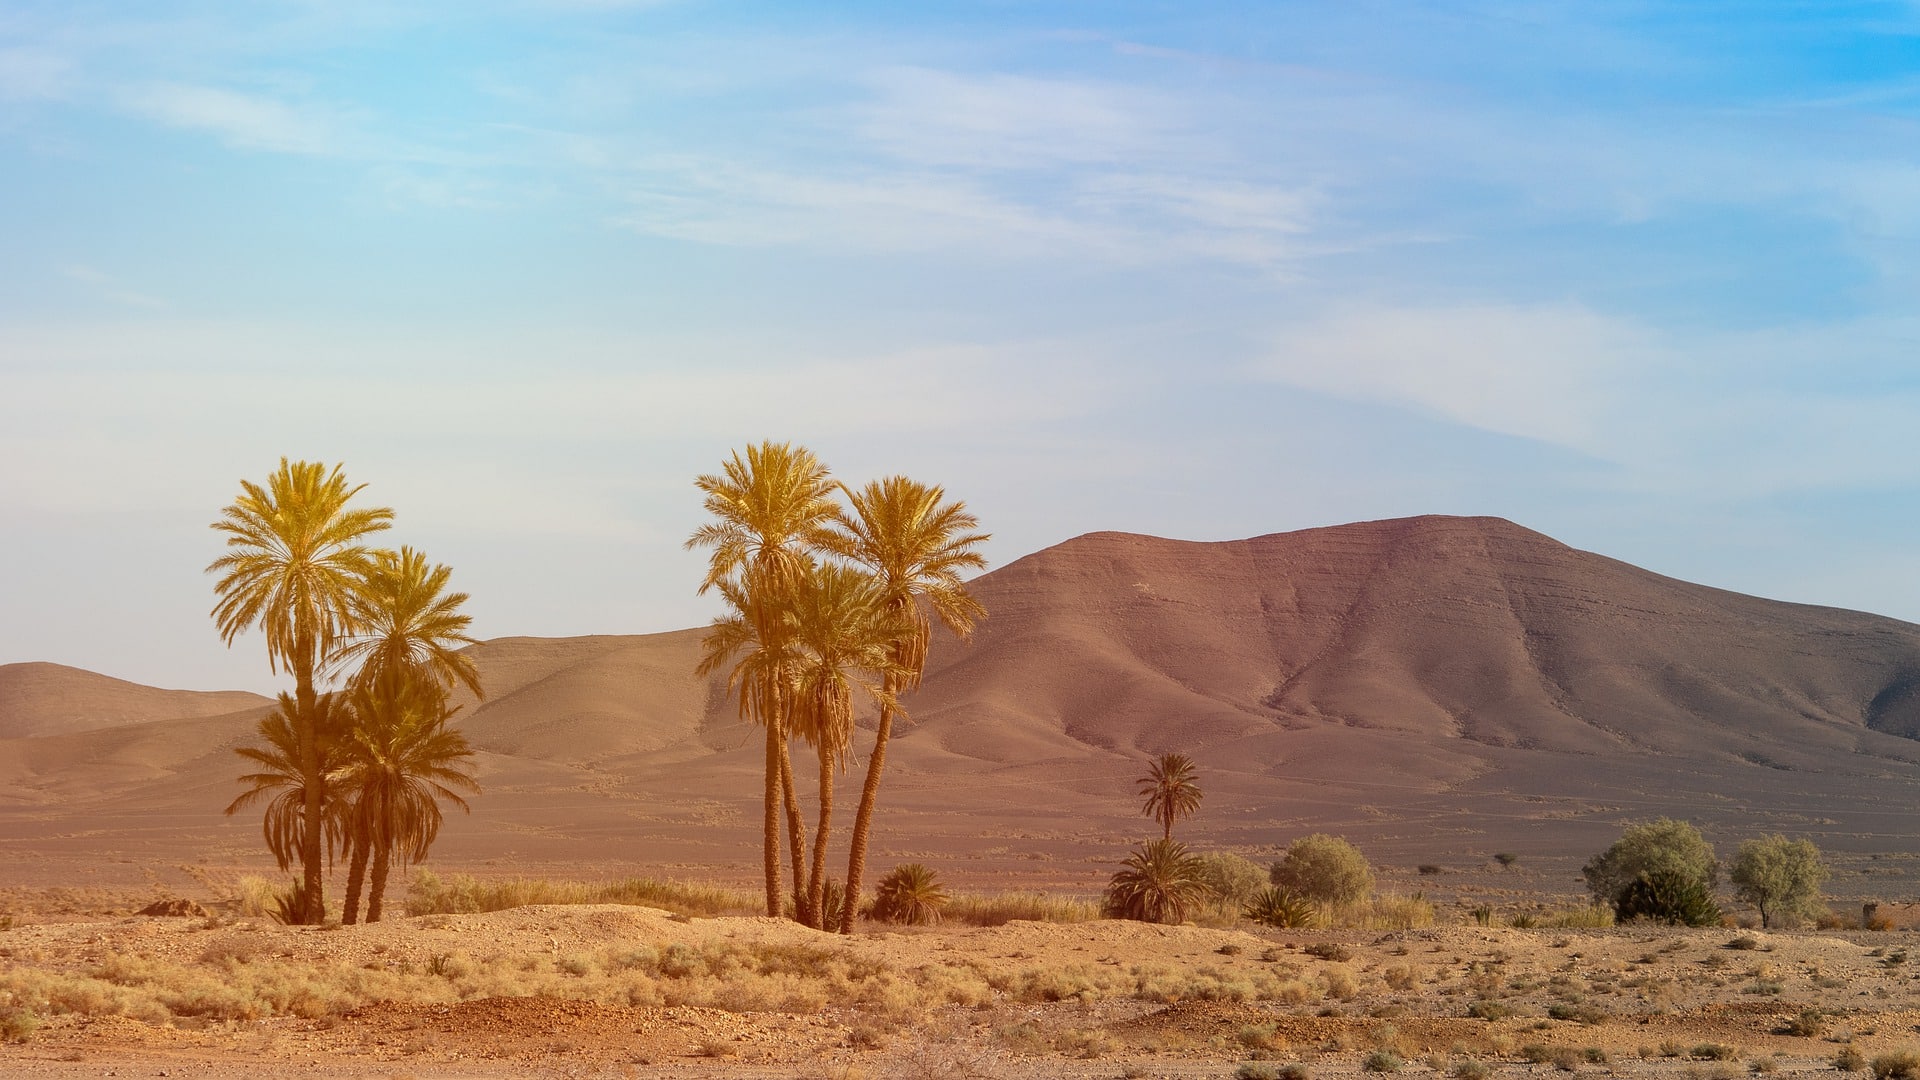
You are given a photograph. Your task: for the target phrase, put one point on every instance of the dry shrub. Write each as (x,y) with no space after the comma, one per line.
(1902,1063)
(463,894)
(998,909)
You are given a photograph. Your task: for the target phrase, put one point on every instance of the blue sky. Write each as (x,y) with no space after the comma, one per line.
(1642,276)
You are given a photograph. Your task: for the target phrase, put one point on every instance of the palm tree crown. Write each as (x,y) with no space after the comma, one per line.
(408,621)
(402,762)
(281,773)
(1169,790)
(294,562)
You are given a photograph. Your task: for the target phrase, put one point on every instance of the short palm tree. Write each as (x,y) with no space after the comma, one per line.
(1170,791)
(408,619)
(910,894)
(770,508)
(844,633)
(401,763)
(1160,883)
(293,567)
(917,544)
(282,777)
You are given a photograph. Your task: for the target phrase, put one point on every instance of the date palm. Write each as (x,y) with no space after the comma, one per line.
(1169,791)
(771,507)
(916,543)
(408,620)
(844,635)
(1159,883)
(282,778)
(293,566)
(401,763)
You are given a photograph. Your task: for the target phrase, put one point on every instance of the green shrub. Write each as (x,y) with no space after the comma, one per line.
(1666,851)
(1325,869)
(910,893)
(1158,883)
(1230,879)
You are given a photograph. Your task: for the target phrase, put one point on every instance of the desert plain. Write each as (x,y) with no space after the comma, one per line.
(1437,690)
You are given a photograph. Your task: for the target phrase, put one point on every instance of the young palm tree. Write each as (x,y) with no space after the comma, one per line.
(843,630)
(293,565)
(283,779)
(1170,791)
(771,508)
(917,544)
(1160,883)
(408,619)
(402,761)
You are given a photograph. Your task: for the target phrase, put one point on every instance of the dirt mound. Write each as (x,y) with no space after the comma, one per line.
(176,908)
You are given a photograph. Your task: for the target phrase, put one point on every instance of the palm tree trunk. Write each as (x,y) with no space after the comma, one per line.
(863,817)
(356,877)
(817,884)
(311,782)
(796,837)
(771,824)
(382,854)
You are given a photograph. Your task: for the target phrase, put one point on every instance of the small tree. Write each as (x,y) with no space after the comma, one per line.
(1781,877)
(1668,856)
(1169,791)
(1160,883)
(1231,878)
(1325,870)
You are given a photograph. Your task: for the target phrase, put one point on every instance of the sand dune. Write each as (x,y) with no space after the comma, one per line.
(1435,686)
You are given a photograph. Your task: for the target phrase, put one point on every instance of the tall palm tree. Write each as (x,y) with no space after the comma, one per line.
(844,632)
(402,761)
(283,779)
(407,619)
(917,544)
(771,509)
(293,565)
(1169,791)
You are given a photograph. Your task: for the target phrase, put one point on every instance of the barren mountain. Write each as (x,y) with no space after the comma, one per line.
(51,699)
(1438,688)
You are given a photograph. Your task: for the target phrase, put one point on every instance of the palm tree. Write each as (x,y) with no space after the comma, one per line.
(408,620)
(402,761)
(293,565)
(843,629)
(771,507)
(1170,791)
(917,544)
(283,778)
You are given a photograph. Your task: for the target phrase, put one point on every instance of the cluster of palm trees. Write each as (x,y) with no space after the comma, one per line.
(830,593)
(360,770)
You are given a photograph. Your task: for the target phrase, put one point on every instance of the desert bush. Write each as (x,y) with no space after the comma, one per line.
(1671,853)
(1470,1070)
(1779,877)
(1489,1010)
(1389,913)
(17,1024)
(1902,1063)
(1382,1061)
(1849,1059)
(463,894)
(1713,1052)
(1281,908)
(1158,883)
(998,909)
(1256,1070)
(1667,896)
(1585,917)
(1230,879)
(910,893)
(1328,950)
(1325,869)
(1808,1024)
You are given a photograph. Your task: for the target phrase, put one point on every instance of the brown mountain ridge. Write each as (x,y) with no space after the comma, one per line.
(1436,687)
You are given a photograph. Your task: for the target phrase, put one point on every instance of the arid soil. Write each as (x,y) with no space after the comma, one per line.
(623,991)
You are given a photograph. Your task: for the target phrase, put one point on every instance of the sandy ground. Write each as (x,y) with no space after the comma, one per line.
(1105,999)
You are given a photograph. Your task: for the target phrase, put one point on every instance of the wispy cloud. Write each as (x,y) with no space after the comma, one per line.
(250,121)
(106,287)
